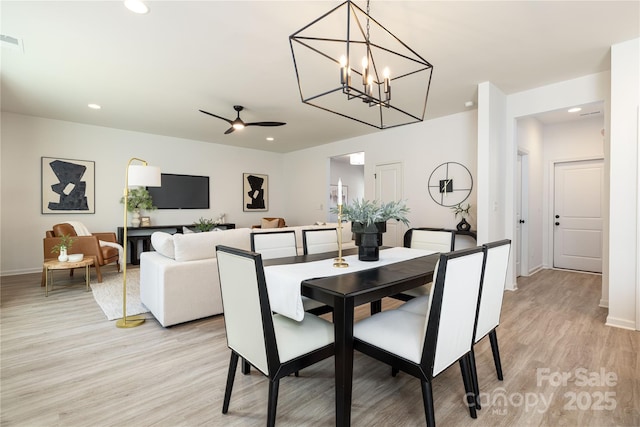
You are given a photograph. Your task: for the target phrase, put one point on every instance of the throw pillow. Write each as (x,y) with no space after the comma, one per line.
(270,223)
(187,230)
(163,244)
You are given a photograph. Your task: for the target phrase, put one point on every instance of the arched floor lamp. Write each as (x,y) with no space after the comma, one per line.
(135,176)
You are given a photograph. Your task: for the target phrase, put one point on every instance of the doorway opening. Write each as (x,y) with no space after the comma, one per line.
(349,168)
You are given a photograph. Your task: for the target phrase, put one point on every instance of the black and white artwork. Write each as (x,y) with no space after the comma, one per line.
(255,192)
(68,186)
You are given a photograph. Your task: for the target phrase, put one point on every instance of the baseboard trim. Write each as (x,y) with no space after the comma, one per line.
(621,323)
(18,272)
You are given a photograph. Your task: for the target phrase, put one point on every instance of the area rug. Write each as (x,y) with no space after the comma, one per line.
(108,294)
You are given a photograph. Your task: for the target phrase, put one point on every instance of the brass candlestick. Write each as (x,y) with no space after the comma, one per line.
(339,262)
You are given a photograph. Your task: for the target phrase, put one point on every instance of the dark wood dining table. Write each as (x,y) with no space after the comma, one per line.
(346,291)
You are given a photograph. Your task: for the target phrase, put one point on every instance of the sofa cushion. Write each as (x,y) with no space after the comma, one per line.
(190,247)
(163,244)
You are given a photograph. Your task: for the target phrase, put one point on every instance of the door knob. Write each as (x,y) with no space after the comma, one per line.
(557,223)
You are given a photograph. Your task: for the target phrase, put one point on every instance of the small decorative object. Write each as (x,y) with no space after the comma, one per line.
(369,221)
(76,257)
(145,221)
(450,184)
(205,224)
(138,199)
(66,241)
(339,262)
(463,211)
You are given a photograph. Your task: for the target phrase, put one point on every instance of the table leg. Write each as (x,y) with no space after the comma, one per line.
(343,326)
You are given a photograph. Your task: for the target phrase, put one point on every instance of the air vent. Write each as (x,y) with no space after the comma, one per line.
(13,43)
(590,114)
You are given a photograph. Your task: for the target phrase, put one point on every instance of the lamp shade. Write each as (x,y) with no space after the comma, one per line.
(144,176)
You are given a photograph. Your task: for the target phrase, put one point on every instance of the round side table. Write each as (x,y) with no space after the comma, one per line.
(66,265)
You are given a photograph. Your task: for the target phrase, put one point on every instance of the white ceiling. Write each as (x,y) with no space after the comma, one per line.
(152,73)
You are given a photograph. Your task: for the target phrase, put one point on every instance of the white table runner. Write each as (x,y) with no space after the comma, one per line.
(284,281)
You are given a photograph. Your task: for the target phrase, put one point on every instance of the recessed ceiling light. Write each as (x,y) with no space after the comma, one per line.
(468,104)
(136,6)
(94,106)
(574,110)
(270,138)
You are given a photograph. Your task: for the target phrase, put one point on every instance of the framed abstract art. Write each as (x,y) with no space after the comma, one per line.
(68,186)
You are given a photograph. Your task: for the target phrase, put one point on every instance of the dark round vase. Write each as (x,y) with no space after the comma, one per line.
(463,225)
(368,239)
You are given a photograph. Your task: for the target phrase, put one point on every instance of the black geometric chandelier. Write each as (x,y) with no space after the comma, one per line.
(362,71)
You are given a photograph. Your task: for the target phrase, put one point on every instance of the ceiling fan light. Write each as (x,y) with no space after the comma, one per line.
(238,125)
(136,6)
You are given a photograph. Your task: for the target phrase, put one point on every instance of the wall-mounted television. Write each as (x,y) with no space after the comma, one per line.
(181,192)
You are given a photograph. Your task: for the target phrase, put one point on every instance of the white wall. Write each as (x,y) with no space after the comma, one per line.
(624,280)
(419,147)
(26,139)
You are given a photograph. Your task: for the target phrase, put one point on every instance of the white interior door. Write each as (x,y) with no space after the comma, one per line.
(578,210)
(389,186)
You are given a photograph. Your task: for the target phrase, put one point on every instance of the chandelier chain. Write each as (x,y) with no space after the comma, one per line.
(368,25)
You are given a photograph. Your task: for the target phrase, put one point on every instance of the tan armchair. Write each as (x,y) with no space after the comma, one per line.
(271,223)
(87,245)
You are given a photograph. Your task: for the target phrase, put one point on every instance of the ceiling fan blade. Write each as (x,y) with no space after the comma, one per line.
(228,131)
(265,124)
(218,117)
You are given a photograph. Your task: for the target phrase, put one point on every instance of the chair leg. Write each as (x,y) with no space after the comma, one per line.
(427,399)
(474,377)
(273,402)
(233,364)
(246,367)
(98,272)
(468,387)
(493,337)
(394,371)
(376,307)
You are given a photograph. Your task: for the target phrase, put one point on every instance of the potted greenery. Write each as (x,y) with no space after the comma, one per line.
(138,199)
(463,211)
(66,241)
(368,222)
(205,224)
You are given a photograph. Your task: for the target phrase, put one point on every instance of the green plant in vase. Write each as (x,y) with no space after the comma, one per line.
(138,199)
(368,222)
(61,248)
(205,224)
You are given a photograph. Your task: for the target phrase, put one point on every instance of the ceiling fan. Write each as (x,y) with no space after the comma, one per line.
(238,124)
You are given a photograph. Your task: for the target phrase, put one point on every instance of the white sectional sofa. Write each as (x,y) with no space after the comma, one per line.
(179,280)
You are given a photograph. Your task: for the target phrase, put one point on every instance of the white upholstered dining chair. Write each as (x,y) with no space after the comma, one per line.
(431,239)
(316,241)
(279,244)
(274,344)
(495,274)
(276,244)
(424,345)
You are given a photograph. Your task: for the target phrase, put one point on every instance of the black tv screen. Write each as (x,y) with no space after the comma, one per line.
(181,192)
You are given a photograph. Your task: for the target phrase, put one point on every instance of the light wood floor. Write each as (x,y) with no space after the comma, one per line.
(64,364)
